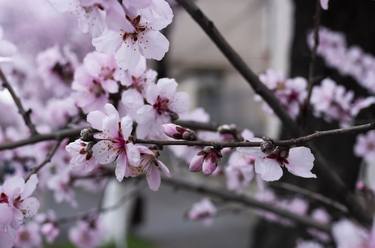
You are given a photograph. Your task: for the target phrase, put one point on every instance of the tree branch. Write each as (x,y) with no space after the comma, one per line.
(48,158)
(24,113)
(323,168)
(247,201)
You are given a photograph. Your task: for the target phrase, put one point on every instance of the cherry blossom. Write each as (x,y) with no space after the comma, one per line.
(28,236)
(90,13)
(61,185)
(365,146)
(349,235)
(308,244)
(150,166)
(136,34)
(94,81)
(240,171)
(164,104)
(324,4)
(203,210)
(16,203)
(349,61)
(334,102)
(291,92)
(86,234)
(48,225)
(7,49)
(114,143)
(82,156)
(268,164)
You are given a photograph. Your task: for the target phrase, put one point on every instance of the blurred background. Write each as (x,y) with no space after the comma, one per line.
(267,34)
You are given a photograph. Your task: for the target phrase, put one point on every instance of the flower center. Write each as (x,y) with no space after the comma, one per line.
(4,198)
(161,105)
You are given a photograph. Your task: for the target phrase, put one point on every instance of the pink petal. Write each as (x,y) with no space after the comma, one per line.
(301,162)
(104,152)
(154,45)
(126,127)
(153,178)
(121,167)
(30,207)
(95,118)
(268,169)
(30,186)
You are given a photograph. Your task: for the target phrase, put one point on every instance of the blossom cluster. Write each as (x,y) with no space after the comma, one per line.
(348,60)
(334,102)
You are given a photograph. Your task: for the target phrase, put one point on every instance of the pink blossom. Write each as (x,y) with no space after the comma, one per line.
(291,92)
(240,171)
(48,226)
(136,34)
(60,111)
(28,236)
(298,160)
(82,157)
(86,234)
(203,210)
(90,13)
(365,146)
(56,67)
(7,49)
(164,103)
(94,81)
(324,4)
(114,143)
(308,244)
(61,185)
(16,204)
(349,235)
(150,166)
(334,102)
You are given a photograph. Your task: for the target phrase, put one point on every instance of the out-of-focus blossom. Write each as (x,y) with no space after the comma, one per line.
(365,146)
(7,49)
(90,13)
(94,81)
(48,225)
(349,235)
(334,102)
(56,67)
(203,210)
(324,4)
(28,236)
(349,61)
(16,204)
(291,92)
(87,234)
(61,185)
(308,244)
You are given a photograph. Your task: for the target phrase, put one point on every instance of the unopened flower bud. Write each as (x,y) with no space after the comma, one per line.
(177,132)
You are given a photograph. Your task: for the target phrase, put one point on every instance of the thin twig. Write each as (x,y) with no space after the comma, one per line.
(61,134)
(324,170)
(48,159)
(247,201)
(316,40)
(24,113)
(311,195)
(70,133)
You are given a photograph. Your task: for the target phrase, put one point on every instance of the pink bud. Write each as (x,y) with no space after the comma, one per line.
(209,165)
(177,132)
(196,162)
